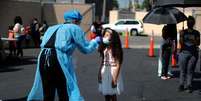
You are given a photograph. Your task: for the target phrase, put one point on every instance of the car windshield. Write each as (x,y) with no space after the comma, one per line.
(120,23)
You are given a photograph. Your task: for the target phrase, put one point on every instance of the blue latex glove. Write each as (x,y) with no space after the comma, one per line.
(98,39)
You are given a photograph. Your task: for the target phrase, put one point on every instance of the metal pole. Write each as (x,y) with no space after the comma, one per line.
(41,4)
(72,2)
(133,5)
(103,13)
(94,12)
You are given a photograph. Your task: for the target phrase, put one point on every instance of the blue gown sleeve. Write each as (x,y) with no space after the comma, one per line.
(82,43)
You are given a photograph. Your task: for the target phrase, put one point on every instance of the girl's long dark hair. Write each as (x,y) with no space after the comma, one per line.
(18,19)
(115,44)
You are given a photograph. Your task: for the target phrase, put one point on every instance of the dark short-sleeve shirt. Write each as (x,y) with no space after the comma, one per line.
(188,37)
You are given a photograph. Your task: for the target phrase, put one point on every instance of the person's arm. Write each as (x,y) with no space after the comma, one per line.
(41,28)
(174,47)
(181,39)
(99,72)
(37,27)
(83,45)
(116,74)
(93,29)
(197,38)
(164,36)
(16,28)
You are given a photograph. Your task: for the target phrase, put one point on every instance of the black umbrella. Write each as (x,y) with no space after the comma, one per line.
(178,3)
(164,15)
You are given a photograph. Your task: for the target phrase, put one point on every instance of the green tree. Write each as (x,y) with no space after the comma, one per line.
(115,4)
(146,5)
(137,5)
(130,5)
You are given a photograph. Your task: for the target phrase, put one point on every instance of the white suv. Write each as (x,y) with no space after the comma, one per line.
(135,27)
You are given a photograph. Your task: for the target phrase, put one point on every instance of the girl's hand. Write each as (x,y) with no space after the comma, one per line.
(114,83)
(99,78)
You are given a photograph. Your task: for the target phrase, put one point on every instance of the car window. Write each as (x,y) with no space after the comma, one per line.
(120,23)
(132,22)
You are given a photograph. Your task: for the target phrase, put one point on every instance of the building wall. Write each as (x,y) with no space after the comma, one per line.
(198,19)
(59,1)
(113,16)
(51,12)
(198,23)
(29,0)
(10,9)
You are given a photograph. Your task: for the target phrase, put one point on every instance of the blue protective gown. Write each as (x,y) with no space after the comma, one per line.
(68,37)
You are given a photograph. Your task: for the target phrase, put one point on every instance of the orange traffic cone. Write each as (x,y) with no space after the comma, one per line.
(174,62)
(151,48)
(126,40)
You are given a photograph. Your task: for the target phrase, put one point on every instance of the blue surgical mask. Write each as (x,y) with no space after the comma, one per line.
(106,41)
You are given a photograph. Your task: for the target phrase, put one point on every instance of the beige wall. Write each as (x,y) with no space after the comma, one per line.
(53,13)
(113,16)
(198,23)
(198,19)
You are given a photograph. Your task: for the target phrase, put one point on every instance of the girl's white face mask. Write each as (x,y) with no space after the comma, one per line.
(106,40)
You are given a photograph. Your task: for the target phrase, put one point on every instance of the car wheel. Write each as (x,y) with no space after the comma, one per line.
(133,32)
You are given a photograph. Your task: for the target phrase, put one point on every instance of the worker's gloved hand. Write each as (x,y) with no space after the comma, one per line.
(98,39)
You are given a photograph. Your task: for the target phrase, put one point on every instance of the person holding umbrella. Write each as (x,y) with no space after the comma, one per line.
(170,16)
(190,41)
(168,48)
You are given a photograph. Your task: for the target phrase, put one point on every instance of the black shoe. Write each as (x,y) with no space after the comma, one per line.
(181,88)
(189,89)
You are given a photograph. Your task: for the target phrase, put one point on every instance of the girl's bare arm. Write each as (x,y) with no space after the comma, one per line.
(117,71)
(99,72)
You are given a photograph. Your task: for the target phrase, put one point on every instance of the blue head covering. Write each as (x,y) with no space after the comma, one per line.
(72,15)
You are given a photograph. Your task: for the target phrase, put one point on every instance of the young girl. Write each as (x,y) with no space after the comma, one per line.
(109,77)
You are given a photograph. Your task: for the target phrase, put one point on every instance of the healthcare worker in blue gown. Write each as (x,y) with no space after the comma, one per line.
(55,73)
